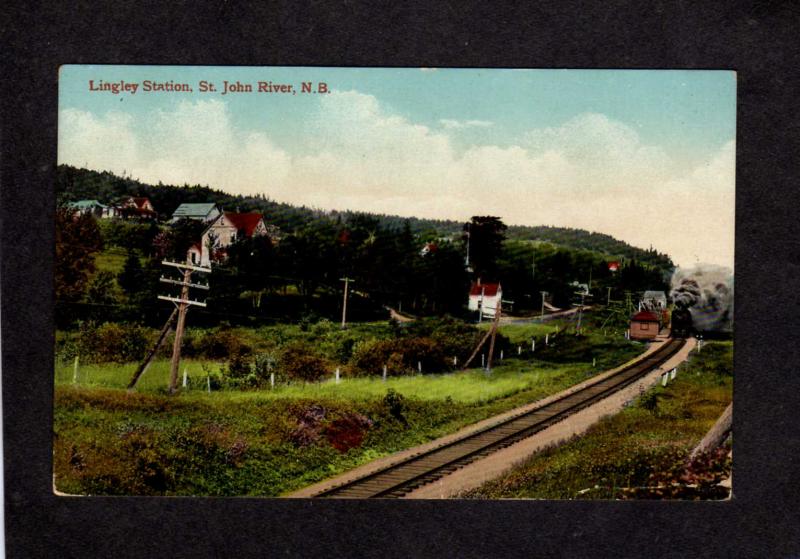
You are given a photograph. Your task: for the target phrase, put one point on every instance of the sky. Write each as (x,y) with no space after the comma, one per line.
(645,156)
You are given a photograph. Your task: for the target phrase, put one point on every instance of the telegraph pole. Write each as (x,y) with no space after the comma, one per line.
(495,324)
(580,314)
(182,303)
(346,281)
(543,295)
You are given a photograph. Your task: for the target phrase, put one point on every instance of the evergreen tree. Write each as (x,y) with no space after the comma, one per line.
(131,277)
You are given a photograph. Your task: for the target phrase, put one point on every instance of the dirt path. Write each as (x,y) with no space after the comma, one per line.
(443,485)
(498,463)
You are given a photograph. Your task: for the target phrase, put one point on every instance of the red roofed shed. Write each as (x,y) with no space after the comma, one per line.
(645,325)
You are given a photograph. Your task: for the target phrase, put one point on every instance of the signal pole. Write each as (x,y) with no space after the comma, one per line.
(346,281)
(182,303)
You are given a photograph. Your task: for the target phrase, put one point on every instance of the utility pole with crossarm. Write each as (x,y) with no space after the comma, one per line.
(182,303)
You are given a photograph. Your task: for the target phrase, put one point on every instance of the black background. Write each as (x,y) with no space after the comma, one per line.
(758,40)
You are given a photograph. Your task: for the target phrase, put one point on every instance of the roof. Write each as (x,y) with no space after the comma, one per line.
(644,316)
(140,202)
(488,289)
(86,204)
(244,222)
(654,295)
(193,210)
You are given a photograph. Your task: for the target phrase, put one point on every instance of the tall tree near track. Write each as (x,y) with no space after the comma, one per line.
(78,239)
(485,235)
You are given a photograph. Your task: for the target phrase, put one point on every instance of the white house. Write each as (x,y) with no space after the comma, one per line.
(222,233)
(485,297)
(95,208)
(654,300)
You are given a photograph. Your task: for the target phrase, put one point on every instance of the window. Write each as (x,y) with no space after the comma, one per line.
(644,326)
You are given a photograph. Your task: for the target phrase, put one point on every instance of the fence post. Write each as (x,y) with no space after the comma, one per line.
(533,345)
(384,373)
(664,378)
(185,376)
(547,339)
(674,373)
(594,362)
(272,381)
(419,366)
(519,350)
(208,383)
(501,355)
(337,375)
(483,360)
(75,371)
(455,361)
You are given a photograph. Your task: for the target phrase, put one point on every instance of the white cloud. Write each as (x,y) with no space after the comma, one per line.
(453,124)
(590,172)
(195,143)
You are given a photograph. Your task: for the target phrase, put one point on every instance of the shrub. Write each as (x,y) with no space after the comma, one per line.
(395,405)
(401,356)
(299,362)
(120,343)
(240,365)
(221,343)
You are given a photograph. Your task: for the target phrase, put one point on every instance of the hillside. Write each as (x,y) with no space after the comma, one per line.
(80,184)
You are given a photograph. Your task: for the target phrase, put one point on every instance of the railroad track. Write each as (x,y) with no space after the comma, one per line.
(397,479)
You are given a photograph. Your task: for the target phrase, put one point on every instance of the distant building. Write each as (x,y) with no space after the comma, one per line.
(206,212)
(654,300)
(95,208)
(225,230)
(137,208)
(485,297)
(644,325)
(429,248)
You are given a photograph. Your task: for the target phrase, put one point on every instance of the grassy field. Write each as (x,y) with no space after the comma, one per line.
(271,441)
(471,386)
(640,452)
(112,259)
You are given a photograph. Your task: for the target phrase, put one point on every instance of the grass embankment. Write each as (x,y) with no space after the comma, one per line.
(268,442)
(641,451)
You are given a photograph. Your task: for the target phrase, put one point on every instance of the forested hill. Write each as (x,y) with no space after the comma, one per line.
(82,184)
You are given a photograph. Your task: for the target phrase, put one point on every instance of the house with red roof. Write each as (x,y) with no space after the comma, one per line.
(134,207)
(644,325)
(485,297)
(225,230)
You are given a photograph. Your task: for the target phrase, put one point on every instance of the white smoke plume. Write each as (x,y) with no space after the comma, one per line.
(707,291)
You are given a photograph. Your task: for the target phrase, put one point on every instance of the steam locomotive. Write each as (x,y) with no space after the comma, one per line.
(682,323)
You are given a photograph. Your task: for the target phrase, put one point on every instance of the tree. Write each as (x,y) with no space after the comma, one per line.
(132,275)
(485,235)
(78,239)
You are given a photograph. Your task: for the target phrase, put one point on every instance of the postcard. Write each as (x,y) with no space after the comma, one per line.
(398,283)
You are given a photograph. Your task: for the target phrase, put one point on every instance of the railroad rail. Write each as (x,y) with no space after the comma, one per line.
(395,480)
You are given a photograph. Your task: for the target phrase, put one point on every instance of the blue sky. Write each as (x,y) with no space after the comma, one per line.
(578,148)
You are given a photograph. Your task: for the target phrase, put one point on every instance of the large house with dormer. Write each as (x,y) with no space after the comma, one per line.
(225,230)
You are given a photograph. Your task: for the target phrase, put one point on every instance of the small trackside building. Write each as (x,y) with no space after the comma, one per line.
(644,325)
(485,297)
